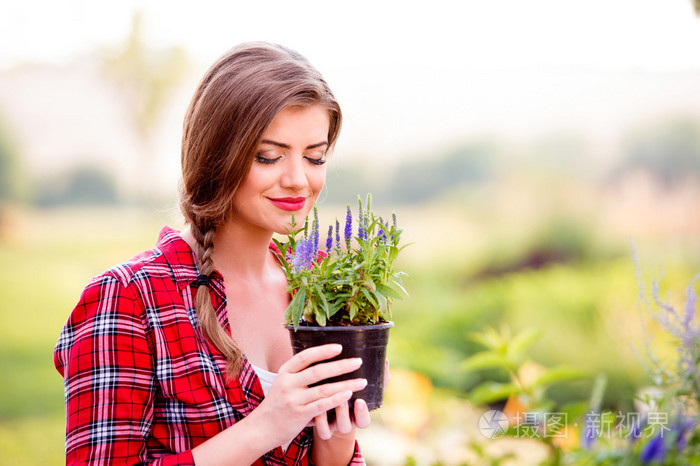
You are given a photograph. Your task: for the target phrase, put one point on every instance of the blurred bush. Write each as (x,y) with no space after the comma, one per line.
(82,185)
(10,169)
(669,150)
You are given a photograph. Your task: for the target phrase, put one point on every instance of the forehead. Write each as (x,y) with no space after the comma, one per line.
(296,123)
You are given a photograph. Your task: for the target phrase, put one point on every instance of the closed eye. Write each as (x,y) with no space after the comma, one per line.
(266,160)
(316,161)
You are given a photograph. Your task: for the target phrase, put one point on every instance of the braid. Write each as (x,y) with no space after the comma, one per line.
(204,308)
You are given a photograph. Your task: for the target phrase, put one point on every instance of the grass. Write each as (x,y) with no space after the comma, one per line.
(49,256)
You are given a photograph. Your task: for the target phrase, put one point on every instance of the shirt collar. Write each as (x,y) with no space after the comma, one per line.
(179,256)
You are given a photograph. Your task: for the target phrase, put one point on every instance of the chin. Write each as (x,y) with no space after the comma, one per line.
(282,230)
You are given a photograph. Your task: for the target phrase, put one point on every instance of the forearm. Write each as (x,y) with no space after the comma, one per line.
(241,444)
(338,450)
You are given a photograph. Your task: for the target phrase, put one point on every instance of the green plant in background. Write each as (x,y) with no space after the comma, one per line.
(351,283)
(530,413)
(667,431)
(509,353)
(678,382)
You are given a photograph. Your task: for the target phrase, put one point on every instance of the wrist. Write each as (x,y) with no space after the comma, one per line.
(339,449)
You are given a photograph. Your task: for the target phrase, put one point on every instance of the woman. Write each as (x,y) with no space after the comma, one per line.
(179,356)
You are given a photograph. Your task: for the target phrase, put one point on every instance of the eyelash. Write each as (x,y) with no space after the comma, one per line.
(266,161)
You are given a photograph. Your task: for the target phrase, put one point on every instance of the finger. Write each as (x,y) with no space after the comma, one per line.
(326,370)
(362,418)
(323,430)
(329,389)
(342,419)
(303,359)
(387,374)
(324,404)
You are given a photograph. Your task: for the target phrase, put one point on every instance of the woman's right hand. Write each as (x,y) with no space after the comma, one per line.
(291,404)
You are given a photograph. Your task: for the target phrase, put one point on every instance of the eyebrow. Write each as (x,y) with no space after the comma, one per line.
(287,146)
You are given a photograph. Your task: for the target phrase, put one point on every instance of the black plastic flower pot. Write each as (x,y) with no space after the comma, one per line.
(366,341)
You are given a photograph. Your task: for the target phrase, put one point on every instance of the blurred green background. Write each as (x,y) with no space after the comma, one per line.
(524,187)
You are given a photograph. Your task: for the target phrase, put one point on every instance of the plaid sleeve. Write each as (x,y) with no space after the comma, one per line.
(357,457)
(105,358)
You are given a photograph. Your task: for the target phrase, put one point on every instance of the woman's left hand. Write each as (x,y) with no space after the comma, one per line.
(343,423)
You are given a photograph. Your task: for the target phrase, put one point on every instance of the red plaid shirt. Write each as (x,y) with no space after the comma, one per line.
(142,384)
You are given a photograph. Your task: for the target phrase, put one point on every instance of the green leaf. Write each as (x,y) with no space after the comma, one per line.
(489,337)
(484,360)
(388,291)
(309,312)
(383,304)
(335,307)
(370,298)
(490,392)
(296,307)
(353,310)
(324,301)
(403,290)
(558,374)
(518,345)
(320,318)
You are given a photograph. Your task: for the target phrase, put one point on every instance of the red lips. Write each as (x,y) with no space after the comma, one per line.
(288,203)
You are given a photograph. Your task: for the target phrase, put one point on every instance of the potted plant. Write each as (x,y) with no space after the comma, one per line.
(344,294)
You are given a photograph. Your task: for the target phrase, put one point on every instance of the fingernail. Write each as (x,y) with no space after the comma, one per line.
(337,348)
(348,394)
(357,362)
(362,383)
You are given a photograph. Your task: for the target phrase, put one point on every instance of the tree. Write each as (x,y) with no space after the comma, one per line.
(146,77)
(9,167)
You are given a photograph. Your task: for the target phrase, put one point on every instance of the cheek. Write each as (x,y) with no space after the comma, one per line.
(317,180)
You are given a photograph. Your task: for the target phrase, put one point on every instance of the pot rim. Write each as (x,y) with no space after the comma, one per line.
(342,328)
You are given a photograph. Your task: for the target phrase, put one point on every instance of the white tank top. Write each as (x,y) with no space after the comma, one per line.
(266,379)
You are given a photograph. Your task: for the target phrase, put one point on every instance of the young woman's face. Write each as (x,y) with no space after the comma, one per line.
(287,173)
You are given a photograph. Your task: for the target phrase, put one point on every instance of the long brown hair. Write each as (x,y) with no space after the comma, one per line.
(232,107)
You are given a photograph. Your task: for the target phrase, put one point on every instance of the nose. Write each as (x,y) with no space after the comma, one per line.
(294,176)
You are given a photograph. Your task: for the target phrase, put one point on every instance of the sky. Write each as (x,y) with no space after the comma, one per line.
(650,34)
(409,75)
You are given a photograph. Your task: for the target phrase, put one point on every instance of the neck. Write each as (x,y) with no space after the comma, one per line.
(241,253)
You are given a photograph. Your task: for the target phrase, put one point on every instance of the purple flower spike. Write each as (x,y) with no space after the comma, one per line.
(329,239)
(384,227)
(315,232)
(691,299)
(654,450)
(589,434)
(310,252)
(299,255)
(337,233)
(360,221)
(348,228)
